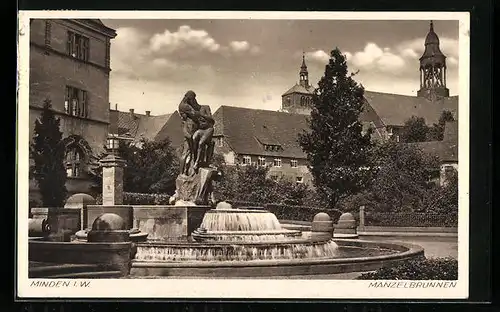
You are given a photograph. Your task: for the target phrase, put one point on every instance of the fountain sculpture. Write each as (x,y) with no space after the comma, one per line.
(196,236)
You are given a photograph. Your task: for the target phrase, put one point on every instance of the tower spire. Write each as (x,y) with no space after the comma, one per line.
(432,68)
(304,74)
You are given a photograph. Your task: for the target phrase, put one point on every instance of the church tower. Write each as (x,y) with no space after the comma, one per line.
(432,69)
(298,99)
(304,74)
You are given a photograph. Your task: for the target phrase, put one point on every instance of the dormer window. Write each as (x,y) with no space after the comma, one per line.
(272,147)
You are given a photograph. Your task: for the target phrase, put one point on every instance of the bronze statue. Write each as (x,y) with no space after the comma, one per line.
(202,138)
(194,182)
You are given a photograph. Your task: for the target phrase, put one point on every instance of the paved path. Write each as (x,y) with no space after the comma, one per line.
(433,246)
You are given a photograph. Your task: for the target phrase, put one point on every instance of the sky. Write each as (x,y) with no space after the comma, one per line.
(251,63)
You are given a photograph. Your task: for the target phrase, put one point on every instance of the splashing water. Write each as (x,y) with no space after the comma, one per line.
(240,220)
(235,252)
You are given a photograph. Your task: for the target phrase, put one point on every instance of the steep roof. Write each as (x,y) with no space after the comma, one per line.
(395,109)
(447,149)
(248,130)
(297,88)
(139,125)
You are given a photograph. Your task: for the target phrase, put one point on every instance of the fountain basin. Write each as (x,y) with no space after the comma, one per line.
(245,251)
(238,236)
(350,256)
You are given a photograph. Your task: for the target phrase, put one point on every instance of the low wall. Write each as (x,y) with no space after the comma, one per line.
(108,256)
(64,221)
(408,229)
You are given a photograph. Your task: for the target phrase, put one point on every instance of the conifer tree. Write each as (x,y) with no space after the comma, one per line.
(337,149)
(47,153)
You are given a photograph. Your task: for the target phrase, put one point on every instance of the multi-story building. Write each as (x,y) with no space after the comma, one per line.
(265,138)
(70,66)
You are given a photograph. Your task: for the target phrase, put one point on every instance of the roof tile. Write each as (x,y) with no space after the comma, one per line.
(247,130)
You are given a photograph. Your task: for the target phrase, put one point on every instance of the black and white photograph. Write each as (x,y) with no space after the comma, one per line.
(174,154)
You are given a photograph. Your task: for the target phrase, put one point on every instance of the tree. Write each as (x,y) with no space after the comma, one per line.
(414,130)
(47,153)
(152,167)
(404,176)
(402,183)
(436,132)
(336,148)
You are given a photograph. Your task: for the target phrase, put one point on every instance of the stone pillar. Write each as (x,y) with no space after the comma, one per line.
(361,218)
(321,227)
(346,226)
(112,180)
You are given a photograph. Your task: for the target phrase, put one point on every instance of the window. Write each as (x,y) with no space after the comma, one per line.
(76,102)
(293,163)
(272,148)
(274,177)
(220,141)
(302,101)
(299,179)
(262,161)
(277,162)
(78,46)
(74,162)
(247,160)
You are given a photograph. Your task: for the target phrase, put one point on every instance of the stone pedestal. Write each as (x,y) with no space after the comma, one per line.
(124,211)
(196,188)
(346,225)
(321,227)
(169,223)
(112,180)
(80,201)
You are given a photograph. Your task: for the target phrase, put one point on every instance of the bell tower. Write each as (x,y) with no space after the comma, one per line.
(432,69)
(304,74)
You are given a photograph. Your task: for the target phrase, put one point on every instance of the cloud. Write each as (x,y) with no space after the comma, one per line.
(319,56)
(414,48)
(452,61)
(374,57)
(239,45)
(181,55)
(184,38)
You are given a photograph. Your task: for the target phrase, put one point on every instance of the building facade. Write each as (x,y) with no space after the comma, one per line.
(265,138)
(70,66)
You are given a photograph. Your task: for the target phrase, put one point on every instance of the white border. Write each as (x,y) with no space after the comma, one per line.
(235,288)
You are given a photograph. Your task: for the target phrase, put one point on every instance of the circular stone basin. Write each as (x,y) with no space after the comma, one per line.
(252,236)
(242,251)
(346,256)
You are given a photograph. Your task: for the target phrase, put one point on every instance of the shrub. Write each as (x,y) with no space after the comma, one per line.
(412,219)
(141,199)
(300,213)
(417,269)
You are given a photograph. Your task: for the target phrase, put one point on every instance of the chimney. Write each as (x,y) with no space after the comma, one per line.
(132,112)
(148,113)
(116,106)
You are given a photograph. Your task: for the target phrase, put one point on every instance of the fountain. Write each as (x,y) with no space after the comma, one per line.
(191,237)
